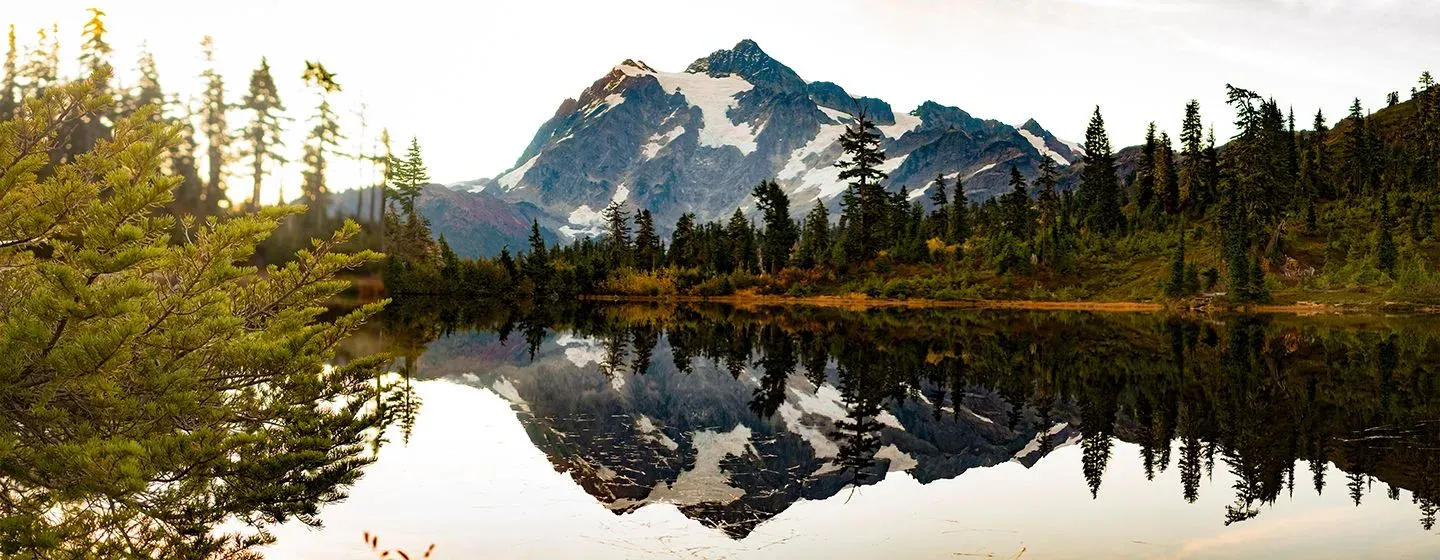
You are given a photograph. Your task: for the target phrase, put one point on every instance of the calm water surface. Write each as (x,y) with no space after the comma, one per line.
(716,432)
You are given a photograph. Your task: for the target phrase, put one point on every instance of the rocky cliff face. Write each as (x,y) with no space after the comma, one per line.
(699,140)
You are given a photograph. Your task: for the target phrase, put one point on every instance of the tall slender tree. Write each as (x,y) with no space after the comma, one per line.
(1167,181)
(213,119)
(1015,207)
(865,202)
(1145,170)
(780,233)
(814,238)
(10,86)
(647,244)
(263,133)
(1099,186)
(1191,176)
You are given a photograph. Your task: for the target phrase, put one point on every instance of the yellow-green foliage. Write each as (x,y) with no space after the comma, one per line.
(631,282)
(160,400)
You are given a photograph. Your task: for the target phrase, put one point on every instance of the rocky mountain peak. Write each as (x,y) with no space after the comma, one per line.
(747,60)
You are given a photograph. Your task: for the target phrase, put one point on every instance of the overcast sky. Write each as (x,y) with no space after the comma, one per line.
(474,80)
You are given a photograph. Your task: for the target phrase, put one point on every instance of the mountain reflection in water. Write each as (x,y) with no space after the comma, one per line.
(732,416)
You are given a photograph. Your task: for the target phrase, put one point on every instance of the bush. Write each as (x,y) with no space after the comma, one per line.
(631,282)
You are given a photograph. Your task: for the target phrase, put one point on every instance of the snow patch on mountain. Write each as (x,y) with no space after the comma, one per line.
(903,123)
(648,427)
(1039,144)
(511,180)
(1074,146)
(715,97)
(890,165)
(972,174)
(822,445)
(707,483)
(581,351)
(660,140)
(899,460)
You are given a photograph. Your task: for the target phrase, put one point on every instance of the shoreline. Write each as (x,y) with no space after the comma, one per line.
(860,302)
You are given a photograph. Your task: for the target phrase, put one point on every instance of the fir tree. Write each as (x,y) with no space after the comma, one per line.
(1016,207)
(1176,286)
(10,86)
(647,243)
(213,109)
(617,233)
(194,404)
(94,57)
(322,142)
(263,133)
(1319,151)
(1191,176)
(959,228)
(1099,186)
(865,202)
(1145,170)
(742,238)
(1048,199)
(409,177)
(1385,251)
(683,243)
(780,234)
(1356,158)
(1167,180)
(814,238)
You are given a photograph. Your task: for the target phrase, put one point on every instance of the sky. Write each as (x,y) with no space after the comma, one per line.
(474,80)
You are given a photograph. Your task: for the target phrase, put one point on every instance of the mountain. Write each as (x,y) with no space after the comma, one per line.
(689,436)
(473,223)
(699,140)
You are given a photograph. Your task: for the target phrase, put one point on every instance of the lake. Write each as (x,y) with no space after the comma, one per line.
(706,431)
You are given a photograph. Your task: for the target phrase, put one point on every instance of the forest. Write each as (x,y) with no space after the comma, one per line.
(1342,214)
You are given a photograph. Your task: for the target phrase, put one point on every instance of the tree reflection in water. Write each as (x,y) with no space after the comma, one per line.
(940,391)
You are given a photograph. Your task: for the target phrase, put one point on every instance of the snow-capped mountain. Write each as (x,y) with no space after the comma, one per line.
(699,140)
(659,432)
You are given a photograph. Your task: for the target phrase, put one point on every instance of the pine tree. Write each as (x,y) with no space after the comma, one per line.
(742,237)
(1355,157)
(94,57)
(1176,286)
(1145,170)
(1099,186)
(958,229)
(9,88)
(814,238)
(42,65)
(263,133)
(409,177)
(1191,176)
(1385,251)
(647,243)
(683,243)
(1319,151)
(323,141)
(1048,199)
(1016,207)
(1167,181)
(865,203)
(186,392)
(617,233)
(213,109)
(780,234)
(147,91)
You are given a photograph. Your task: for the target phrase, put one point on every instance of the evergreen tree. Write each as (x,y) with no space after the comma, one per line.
(1048,199)
(1167,180)
(647,243)
(958,229)
(742,238)
(147,91)
(188,403)
(1191,175)
(322,142)
(94,57)
(263,133)
(617,233)
(937,222)
(683,243)
(1176,286)
(865,204)
(1385,251)
(409,177)
(1016,207)
(10,86)
(42,65)
(1099,186)
(1145,170)
(780,234)
(213,109)
(1319,151)
(1355,160)
(814,238)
